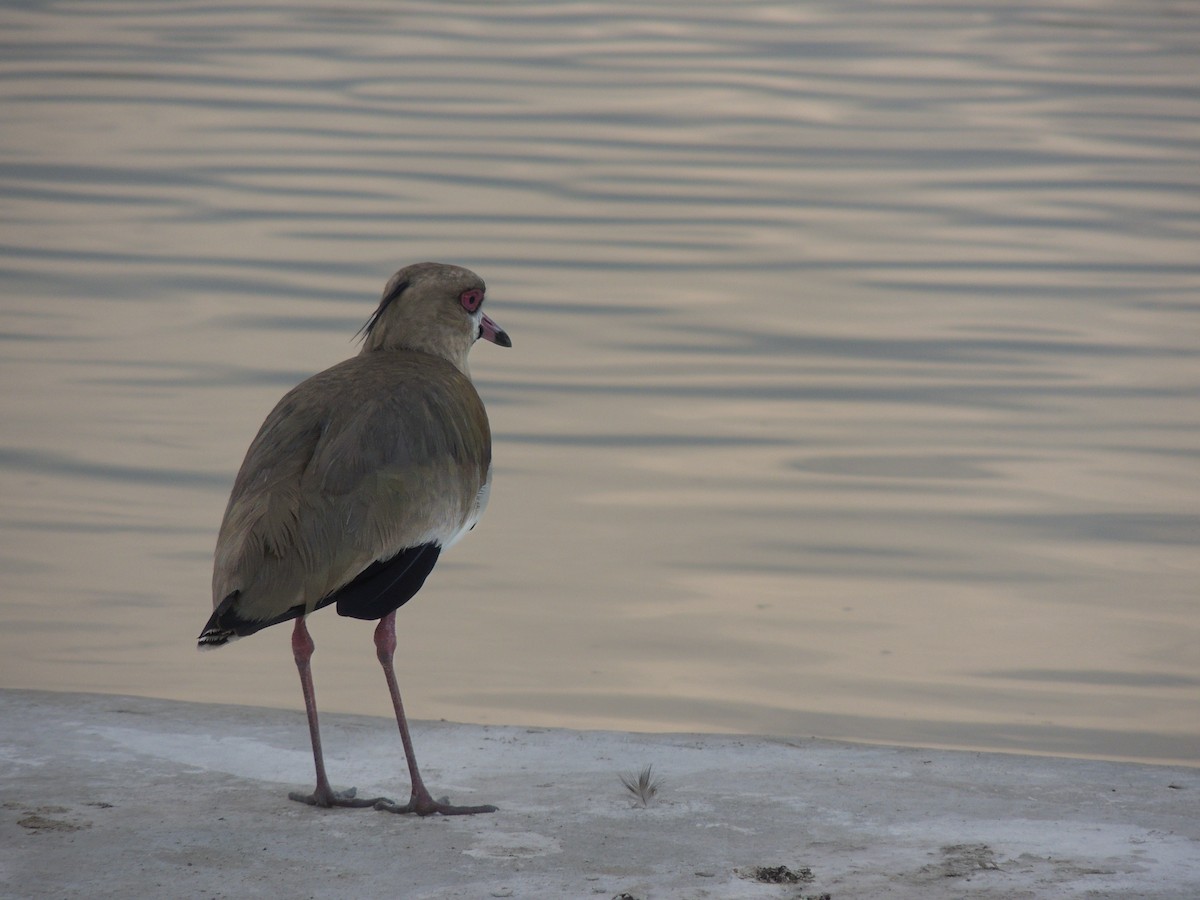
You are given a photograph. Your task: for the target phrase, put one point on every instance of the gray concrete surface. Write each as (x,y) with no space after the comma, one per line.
(107,796)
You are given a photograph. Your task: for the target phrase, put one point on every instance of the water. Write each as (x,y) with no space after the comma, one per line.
(856,380)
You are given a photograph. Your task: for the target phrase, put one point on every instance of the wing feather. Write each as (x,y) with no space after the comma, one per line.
(378,454)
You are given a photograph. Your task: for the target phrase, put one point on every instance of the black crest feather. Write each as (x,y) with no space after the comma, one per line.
(384,303)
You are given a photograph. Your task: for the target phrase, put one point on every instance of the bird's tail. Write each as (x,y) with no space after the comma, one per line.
(217,633)
(212,638)
(226,624)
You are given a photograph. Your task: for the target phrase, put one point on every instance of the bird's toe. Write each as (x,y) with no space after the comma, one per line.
(427,806)
(331,798)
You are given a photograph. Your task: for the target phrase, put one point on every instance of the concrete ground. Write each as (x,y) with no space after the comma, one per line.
(106,796)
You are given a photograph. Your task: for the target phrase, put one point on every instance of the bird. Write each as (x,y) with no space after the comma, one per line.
(356,482)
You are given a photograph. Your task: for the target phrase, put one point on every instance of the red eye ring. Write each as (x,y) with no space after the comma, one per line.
(471,299)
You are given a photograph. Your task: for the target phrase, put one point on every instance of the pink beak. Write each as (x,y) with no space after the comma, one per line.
(490,331)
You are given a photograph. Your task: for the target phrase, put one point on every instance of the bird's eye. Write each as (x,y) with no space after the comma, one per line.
(471,299)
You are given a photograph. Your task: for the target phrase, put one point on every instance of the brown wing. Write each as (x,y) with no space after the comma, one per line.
(380,453)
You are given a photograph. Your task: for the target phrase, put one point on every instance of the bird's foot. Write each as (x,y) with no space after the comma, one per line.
(327,798)
(424,805)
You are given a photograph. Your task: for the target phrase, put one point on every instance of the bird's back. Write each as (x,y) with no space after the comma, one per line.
(383,453)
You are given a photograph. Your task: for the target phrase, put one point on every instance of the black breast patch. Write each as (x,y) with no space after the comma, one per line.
(385,585)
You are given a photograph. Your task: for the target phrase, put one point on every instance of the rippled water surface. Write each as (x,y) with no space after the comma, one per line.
(856,380)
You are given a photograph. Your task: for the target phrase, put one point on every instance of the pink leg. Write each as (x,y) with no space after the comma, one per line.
(420,802)
(323,795)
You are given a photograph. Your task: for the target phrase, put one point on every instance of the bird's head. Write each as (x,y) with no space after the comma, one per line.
(435,308)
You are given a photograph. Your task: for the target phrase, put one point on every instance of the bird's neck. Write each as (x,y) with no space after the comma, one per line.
(456,357)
